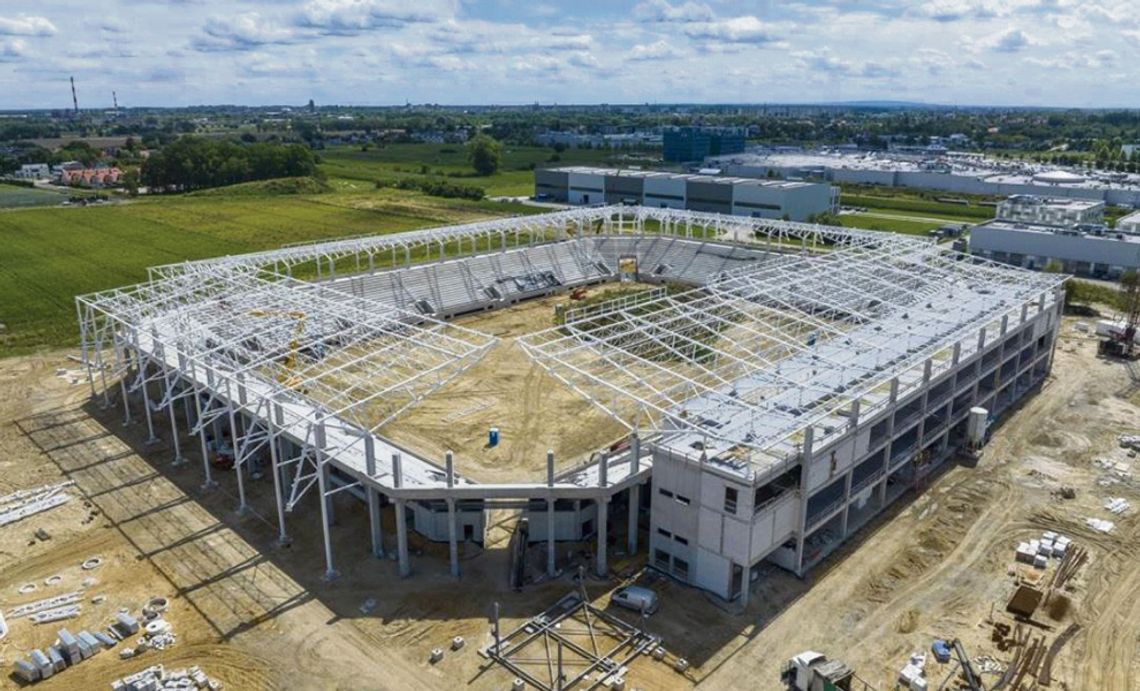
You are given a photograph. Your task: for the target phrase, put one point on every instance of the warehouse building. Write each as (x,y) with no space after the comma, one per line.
(795,201)
(1130,224)
(1085,250)
(1028,208)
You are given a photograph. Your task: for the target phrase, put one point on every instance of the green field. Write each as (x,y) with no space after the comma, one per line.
(14,196)
(893,225)
(515,176)
(51,255)
(963,213)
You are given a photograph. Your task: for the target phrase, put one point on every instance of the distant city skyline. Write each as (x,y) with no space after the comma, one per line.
(1064,53)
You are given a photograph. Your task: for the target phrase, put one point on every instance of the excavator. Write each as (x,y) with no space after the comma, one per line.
(288,377)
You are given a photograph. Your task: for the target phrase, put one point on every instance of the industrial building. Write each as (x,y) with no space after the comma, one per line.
(1130,224)
(806,378)
(1093,251)
(1027,208)
(795,201)
(689,143)
(955,173)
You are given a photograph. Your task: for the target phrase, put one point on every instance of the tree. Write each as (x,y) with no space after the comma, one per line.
(484,154)
(131,182)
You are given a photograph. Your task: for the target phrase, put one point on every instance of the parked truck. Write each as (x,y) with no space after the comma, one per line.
(812,671)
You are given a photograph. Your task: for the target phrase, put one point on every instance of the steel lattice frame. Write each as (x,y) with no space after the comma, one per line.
(248,350)
(760,354)
(487,235)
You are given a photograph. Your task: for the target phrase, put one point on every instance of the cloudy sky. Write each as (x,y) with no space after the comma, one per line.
(379,52)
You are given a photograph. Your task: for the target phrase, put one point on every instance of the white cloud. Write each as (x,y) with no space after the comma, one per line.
(663,11)
(25,25)
(12,49)
(1011,41)
(746,29)
(354,16)
(658,50)
(240,32)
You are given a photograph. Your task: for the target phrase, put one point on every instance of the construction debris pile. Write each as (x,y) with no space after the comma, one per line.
(156,678)
(27,502)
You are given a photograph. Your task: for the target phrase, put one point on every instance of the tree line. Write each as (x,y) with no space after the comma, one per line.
(191,163)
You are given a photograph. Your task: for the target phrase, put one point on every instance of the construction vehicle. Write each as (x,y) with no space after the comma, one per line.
(288,377)
(812,671)
(973,681)
(1119,337)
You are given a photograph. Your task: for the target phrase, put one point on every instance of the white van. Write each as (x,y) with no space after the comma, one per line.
(637,598)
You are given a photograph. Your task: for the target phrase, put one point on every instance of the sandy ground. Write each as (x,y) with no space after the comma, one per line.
(259,616)
(533,411)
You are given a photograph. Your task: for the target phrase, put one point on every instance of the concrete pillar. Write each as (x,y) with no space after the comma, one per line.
(208,483)
(151,438)
(745,582)
(323,487)
(634,493)
(178,459)
(126,400)
(550,565)
(374,528)
(401,519)
(452,527)
(277,419)
(603,528)
(809,434)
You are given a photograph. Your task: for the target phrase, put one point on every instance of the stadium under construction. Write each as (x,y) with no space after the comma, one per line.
(790,382)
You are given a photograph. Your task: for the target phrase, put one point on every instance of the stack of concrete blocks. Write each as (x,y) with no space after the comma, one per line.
(69,650)
(1039,552)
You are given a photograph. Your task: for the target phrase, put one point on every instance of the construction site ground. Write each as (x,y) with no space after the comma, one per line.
(532,410)
(260,616)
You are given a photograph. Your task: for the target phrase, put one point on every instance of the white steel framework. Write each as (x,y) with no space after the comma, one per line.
(238,348)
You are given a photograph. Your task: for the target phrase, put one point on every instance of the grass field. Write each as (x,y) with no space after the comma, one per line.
(515,176)
(971,213)
(14,196)
(888,224)
(51,255)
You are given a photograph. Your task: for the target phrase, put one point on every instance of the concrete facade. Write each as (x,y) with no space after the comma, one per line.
(710,528)
(1100,255)
(775,199)
(1025,208)
(1129,224)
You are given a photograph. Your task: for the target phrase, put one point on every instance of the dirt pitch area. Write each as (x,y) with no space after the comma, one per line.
(506,389)
(259,616)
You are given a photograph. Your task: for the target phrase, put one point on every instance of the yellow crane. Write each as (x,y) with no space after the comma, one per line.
(290,361)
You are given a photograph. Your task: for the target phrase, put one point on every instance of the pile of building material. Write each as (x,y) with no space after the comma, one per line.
(156,677)
(49,609)
(913,674)
(1117,505)
(1130,441)
(1039,552)
(27,502)
(67,651)
(1100,524)
(1072,562)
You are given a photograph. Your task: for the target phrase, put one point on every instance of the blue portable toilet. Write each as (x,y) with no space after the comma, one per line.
(493,437)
